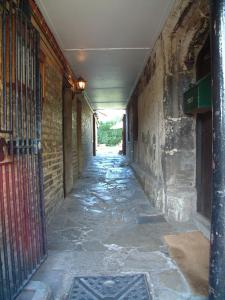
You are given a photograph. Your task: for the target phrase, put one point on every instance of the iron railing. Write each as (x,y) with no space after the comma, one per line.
(22,220)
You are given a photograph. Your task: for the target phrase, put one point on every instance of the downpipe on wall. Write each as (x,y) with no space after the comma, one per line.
(217,243)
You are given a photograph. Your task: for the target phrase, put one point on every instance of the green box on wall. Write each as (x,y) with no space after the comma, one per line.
(199,97)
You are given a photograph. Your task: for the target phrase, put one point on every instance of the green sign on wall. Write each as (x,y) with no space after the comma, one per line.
(199,97)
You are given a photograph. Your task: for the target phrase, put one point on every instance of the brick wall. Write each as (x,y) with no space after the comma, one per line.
(52,139)
(55,71)
(86,150)
(74,140)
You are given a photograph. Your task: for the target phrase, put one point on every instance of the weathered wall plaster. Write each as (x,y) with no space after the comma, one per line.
(164,156)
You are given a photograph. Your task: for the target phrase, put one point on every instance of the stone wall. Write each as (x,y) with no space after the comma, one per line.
(164,155)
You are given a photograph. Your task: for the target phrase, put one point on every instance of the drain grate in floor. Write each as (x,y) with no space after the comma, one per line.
(145,219)
(128,287)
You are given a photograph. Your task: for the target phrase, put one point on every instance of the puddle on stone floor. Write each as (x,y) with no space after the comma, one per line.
(107,225)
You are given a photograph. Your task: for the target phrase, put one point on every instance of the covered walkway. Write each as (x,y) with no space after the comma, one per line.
(108,226)
(158,210)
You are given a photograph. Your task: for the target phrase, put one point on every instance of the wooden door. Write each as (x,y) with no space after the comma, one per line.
(204,163)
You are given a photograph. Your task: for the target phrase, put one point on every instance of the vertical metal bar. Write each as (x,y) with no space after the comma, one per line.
(26,158)
(1,101)
(39,148)
(24,145)
(10,67)
(9,186)
(2,194)
(8,181)
(4,237)
(21,181)
(34,161)
(30,162)
(37,191)
(16,226)
(13,166)
(21,78)
(1,279)
(25,83)
(21,149)
(4,125)
(29,155)
(32,174)
(217,256)
(17,163)
(22,152)
(3,288)
(8,213)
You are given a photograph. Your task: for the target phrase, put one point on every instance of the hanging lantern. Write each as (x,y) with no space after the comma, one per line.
(80,85)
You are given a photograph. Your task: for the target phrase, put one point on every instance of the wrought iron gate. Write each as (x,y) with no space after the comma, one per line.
(22,225)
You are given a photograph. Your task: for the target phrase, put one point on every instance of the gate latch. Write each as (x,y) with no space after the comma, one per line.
(3,149)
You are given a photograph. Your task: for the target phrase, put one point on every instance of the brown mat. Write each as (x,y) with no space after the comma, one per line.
(190,250)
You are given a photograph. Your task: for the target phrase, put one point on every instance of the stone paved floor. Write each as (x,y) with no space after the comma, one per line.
(102,228)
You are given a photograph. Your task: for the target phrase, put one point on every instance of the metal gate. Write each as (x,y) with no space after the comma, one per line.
(22,221)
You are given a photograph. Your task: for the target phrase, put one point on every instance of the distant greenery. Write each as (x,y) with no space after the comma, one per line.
(107,135)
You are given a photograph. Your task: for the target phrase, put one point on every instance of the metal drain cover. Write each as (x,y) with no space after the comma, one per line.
(126,287)
(151,219)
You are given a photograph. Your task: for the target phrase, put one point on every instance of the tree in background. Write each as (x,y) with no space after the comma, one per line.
(108,134)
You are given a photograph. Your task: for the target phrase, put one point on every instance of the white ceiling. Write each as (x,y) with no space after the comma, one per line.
(107,42)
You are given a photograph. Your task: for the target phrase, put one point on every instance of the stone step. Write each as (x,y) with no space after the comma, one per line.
(36,290)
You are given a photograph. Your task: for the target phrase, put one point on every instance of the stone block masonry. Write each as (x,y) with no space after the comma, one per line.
(163,150)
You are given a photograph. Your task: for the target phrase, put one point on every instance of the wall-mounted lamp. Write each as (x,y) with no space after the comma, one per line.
(80,85)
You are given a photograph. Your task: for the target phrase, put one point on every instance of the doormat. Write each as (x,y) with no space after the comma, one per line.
(111,288)
(190,250)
